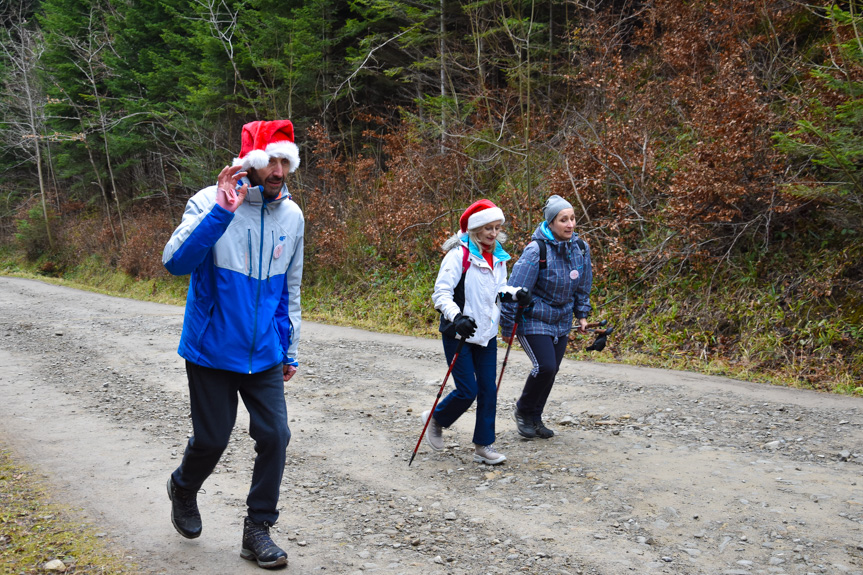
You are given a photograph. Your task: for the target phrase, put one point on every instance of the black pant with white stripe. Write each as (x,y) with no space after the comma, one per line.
(546,353)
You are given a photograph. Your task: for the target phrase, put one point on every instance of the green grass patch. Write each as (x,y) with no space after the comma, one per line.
(739,327)
(95,275)
(379,300)
(737,323)
(34,531)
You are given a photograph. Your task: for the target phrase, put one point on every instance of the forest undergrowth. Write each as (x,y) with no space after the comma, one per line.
(757,319)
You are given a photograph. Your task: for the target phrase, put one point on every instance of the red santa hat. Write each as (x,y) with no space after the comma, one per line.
(264,140)
(478,214)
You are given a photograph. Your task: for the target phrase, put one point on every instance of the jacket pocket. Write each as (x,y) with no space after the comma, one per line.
(204,316)
(447,327)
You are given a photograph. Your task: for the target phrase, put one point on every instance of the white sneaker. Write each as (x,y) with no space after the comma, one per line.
(487,454)
(434,432)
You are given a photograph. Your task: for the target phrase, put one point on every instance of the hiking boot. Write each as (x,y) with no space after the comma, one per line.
(258,546)
(184,511)
(541,430)
(487,454)
(526,427)
(434,432)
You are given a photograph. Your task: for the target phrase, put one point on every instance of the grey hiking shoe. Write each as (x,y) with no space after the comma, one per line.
(258,546)
(525,425)
(434,432)
(184,511)
(487,454)
(541,430)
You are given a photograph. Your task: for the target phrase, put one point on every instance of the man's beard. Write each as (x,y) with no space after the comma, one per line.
(271,187)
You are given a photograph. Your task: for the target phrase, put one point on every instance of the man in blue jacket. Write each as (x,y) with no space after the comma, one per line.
(242,242)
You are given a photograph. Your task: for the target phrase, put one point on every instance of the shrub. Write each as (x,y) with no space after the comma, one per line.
(141,256)
(32,234)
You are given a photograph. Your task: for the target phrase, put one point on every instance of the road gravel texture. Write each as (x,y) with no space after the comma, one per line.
(651,471)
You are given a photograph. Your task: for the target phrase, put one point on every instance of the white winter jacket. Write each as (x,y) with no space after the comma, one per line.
(482,287)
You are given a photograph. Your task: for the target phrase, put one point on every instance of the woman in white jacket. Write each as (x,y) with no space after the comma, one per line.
(469,288)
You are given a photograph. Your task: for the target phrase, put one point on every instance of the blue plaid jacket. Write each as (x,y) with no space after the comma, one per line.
(557,297)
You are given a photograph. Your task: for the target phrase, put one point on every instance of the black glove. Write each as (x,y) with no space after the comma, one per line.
(464,325)
(521,296)
(599,343)
(601,339)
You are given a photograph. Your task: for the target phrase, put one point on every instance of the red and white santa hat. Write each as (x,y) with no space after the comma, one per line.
(264,140)
(478,214)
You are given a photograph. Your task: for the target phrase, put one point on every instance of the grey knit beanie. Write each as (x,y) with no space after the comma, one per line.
(553,206)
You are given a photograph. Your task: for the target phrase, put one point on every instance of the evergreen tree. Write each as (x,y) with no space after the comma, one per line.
(85,112)
(828,136)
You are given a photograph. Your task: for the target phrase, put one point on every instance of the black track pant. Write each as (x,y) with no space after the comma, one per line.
(546,353)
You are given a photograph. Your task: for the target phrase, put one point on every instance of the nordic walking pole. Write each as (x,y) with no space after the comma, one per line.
(518,315)
(439,392)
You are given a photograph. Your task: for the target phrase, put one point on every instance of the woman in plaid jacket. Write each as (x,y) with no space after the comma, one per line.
(560,286)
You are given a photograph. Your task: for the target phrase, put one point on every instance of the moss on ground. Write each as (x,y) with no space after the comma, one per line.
(34,531)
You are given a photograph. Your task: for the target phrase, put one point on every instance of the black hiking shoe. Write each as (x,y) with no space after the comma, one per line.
(184,511)
(258,546)
(526,427)
(541,430)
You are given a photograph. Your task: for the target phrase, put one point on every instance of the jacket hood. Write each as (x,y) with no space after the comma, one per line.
(543,233)
(459,238)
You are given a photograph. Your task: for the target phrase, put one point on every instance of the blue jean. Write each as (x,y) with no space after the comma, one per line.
(213,399)
(474,377)
(546,353)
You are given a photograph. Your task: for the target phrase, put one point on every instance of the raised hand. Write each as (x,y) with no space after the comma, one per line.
(227,194)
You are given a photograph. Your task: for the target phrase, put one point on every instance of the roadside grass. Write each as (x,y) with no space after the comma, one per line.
(382,301)
(34,531)
(95,275)
(747,329)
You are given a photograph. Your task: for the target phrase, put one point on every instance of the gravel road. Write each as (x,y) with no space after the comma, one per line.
(651,471)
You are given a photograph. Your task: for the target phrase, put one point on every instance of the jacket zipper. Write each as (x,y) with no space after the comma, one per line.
(249,249)
(258,294)
(272,252)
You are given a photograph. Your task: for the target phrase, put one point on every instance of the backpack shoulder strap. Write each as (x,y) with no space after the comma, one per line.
(458,293)
(543,255)
(581,246)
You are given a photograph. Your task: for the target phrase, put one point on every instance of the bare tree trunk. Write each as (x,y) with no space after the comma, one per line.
(85,56)
(98,176)
(165,189)
(527,108)
(104,131)
(23,55)
(38,150)
(104,193)
(223,30)
(51,177)
(442,78)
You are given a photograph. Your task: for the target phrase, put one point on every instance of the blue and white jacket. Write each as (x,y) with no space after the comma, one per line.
(243,306)
(557,297)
